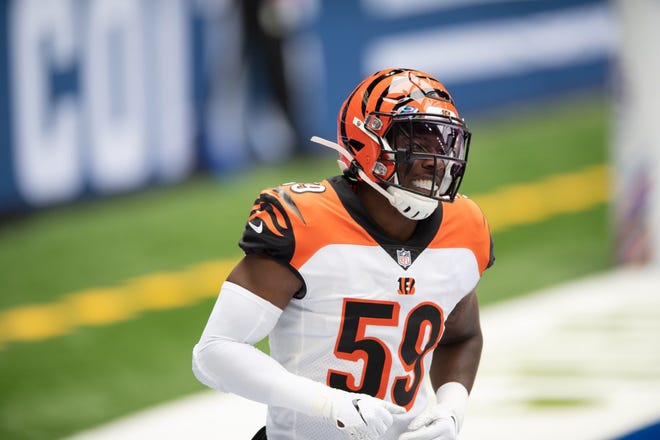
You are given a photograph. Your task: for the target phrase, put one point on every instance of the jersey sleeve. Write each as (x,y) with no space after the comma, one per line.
(482,243)
(464,225)
(268,231)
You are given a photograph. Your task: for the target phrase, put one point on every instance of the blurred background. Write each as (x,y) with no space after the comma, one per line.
(105,97)
(135,134)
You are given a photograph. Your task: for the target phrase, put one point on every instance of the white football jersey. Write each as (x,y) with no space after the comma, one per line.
(372,309)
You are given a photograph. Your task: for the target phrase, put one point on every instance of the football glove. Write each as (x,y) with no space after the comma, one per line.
(434,423)
(359,416)
(441,420)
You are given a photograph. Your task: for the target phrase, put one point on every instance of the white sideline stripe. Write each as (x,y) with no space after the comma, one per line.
(205,415)
(500,47)
(594,340)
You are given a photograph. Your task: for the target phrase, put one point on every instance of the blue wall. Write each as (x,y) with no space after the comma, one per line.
(100,97)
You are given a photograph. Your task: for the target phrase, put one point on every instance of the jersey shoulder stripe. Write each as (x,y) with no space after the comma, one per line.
(268,228)
(298,219)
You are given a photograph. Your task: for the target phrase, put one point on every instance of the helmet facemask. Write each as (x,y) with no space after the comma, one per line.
(379,131)
(442,142)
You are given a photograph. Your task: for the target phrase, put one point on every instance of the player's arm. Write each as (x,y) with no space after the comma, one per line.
(456,358)
(266,278)
(248,308)
(452,374)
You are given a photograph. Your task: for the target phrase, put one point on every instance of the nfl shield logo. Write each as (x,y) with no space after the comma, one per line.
(404,258)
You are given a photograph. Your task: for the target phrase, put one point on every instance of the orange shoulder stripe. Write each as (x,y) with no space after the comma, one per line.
(323,220)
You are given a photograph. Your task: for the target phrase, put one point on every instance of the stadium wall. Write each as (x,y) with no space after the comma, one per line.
(102,97)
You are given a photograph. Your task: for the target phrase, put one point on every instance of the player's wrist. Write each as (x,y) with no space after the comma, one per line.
(328,400)
(302,395)
(454,397)
(321,401)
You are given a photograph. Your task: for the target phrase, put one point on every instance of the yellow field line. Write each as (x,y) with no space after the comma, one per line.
(103,306)
(505,208)
(553,195)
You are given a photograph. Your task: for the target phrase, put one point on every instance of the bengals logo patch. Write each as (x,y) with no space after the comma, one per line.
(406,286)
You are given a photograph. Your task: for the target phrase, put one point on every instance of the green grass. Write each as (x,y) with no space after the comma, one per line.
(103,242)
(535,256)
(561,137)
(57,387)
(98,374)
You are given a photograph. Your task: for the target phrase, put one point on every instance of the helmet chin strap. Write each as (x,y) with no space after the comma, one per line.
(412,206)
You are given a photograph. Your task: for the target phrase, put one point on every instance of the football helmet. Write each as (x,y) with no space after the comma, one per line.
(393,119)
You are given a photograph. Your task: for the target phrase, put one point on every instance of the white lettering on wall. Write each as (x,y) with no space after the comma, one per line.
(47,159)
(124,118)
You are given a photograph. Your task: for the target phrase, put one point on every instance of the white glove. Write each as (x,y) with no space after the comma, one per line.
(434,423)
(360,416)
(442,420)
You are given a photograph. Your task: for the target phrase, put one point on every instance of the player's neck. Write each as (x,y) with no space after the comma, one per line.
(388,218)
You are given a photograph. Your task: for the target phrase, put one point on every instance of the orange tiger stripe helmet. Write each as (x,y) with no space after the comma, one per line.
(395,104)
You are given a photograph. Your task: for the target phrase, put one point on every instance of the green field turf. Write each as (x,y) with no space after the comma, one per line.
(58,386)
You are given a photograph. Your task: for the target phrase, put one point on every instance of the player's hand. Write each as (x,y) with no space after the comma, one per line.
(360,416)
(434,423)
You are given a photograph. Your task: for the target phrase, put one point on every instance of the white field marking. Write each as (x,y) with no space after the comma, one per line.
(591,344)
(205,415)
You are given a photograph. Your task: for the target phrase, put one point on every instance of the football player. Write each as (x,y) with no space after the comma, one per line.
(365,283)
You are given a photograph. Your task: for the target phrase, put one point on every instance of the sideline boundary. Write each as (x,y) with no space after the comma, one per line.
(578,361)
